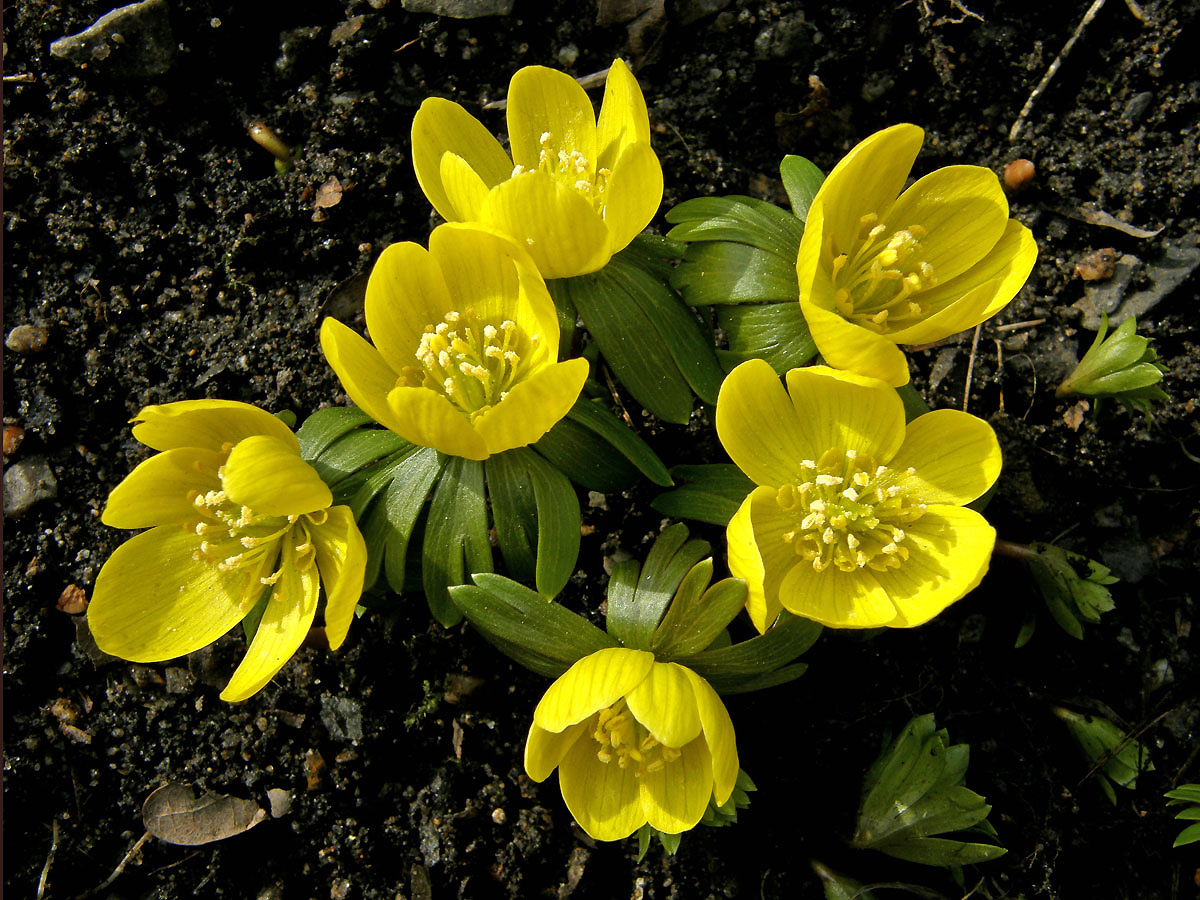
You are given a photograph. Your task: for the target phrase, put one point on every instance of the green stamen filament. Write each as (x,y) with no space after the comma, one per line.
(878,282)
(849,513)
(472,363)
(624,740)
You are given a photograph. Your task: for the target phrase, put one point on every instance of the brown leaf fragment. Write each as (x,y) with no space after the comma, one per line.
(1097,266)
(72,600)
(329,194)
(456,738)
(174,814)
(1074,416)
(314,762)
(1100,217)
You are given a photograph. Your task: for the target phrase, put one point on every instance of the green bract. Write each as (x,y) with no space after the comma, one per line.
(1123,366)
(1114,755)
(915,791)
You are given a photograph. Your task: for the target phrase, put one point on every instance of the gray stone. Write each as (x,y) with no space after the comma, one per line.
(1101,298)
(27,482)
(342,718)
(281,802)
(133,40)
(1138,106)
(1165,274)
(459,9)
(688,11)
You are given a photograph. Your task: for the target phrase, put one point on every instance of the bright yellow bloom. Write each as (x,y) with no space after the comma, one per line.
(233,511)
(466,338)
(857,521)
(878,267)
(574,191)
(635,741)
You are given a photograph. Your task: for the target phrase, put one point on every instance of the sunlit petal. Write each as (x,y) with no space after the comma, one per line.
(533,406)
(674,797)
(955,456)
(270,478)
(427,418)
(846,411)
(156,492)
(440,126)
(604,798)
(342,561)
(718,735)
(594,682)
(210,424)
(623,118)
(758,426)
(664,702)
(547,112)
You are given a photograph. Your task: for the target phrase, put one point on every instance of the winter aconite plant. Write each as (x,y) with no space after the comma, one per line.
(857,520)
(240,527)
(879,266)
(575,189)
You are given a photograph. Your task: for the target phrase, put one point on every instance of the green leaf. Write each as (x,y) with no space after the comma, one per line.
(605,425)
(906,779)
(903,747)
(801,180)
(1123,366)
(669,560)
(538,633)
(1120,756)
(838,886)
(942,852)
(706,493)
(539,514)
(732,669)
(1188,793)
(325,426)
(585,457)
(354,451)
(402,505)
(254,617)
(914,403)
(743,220)
(456,536)
(622,589)
(719,272)
(694,619)
(1189,835)
(359,490)
(775,332)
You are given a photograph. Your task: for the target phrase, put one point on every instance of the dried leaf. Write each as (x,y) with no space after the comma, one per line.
(174,814)
(1074,416)
(1100,217)
(329,194)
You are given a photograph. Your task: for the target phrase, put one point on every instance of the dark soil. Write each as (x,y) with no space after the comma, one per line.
(167,260)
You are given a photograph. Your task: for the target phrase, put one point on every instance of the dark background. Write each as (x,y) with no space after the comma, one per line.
(167,260)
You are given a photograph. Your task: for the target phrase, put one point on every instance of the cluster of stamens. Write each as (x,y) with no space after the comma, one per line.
(881,281)
(233,537)
(572,167)
(472,363)
(624,740)
(849,513)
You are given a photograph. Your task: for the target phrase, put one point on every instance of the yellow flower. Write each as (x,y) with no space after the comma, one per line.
(466,338)
(574,191)
(857,521)
(233,511)
(635,741)
(878,267)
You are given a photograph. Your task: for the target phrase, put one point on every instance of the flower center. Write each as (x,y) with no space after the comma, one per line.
(234,537)
(624,739)
(878,284)
(849,513)
(572,168)
(474,364)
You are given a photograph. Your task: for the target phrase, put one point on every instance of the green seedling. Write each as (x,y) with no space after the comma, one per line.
(269,141)
(1114,755)
(1190,794)
(915,791)
(1074,588)
(1122,366)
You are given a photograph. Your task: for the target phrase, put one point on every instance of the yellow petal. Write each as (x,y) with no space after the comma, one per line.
(633,194)
(718,735)
(597,681)
(558,227)
(156,492)
(270,477)
(405,294)
(285,622)
(427,418)
(153,601)
(963,212)
(867,180)
(206,423)
(342,562)
(746,562)
(770,522)
(842,343)
(977,294)
(949,551)
(846,411)
(623,118)
(838,599)
(533,406)
(544,749)
(442,125)
(365,375)
(604,798)
(544,101)
(664,703)
(956,457)
(675,797)
(464,188)
(479,266)
(758,426)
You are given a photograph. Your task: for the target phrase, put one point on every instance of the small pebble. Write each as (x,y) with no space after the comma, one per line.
(27,339)
(73,600)
(567,55)
(1098,266)
(1018,174)
(281,802)
(27,482)
(498,816)
(13,435)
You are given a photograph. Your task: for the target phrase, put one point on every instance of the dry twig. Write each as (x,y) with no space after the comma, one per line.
(41,888)
(971,365)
